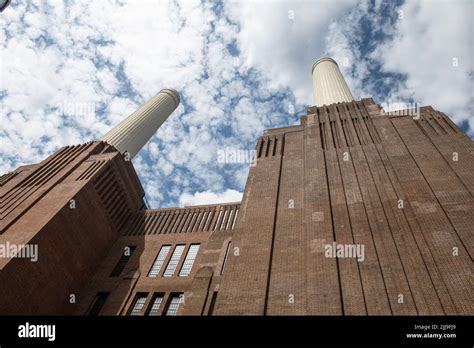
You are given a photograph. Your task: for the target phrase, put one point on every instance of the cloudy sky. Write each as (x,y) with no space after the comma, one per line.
(70,70)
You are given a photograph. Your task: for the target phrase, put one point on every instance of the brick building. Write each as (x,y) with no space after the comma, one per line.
(392,193)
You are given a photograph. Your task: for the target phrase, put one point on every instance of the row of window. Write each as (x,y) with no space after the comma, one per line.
(172,305)
(184,220)
(174,260)
(160,260)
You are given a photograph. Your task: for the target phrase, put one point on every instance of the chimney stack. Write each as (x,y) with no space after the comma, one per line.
(130,135)
(329,85)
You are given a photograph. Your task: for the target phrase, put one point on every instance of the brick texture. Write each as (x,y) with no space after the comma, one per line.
(349,176)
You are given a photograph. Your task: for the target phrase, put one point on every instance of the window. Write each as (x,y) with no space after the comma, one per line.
(99,302)
(173,304)
(173,263)
(127,253)
(235,219)
(213,303)
(160,259)
(155,304)
(225,257)
(138,305)
(223,220)
(189,260)
(218,221)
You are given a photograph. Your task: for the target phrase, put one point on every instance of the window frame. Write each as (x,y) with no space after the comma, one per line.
(138,296)
(190,257)
(160,268)
(174,261)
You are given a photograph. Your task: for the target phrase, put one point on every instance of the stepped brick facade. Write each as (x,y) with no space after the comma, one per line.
(399,187)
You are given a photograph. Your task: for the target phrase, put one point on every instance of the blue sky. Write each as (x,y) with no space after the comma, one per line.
(71,70)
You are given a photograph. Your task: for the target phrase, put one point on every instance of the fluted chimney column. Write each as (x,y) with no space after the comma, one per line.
(329,85)
(130,135)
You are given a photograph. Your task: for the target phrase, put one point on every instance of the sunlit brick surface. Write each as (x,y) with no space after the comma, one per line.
(344,172)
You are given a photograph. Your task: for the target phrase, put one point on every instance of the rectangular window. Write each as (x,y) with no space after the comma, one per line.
(155,304)
(218,221)
(223,220)
(99,302)
(213,303)
(225,257)
(126,255)
(138,305)
(189,260)
(173,263)
(235,218)
(160,259)
(173,304)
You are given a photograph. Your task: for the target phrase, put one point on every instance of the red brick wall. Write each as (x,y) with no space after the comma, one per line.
(346,168)
(72,236)
(339,177)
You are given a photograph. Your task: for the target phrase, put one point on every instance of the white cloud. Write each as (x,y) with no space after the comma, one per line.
(208,197)
(283,39)
(117,54)
(420,45)
(430,37)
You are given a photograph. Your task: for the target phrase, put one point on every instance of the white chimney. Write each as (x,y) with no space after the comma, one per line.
(329,85)
(130,135)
